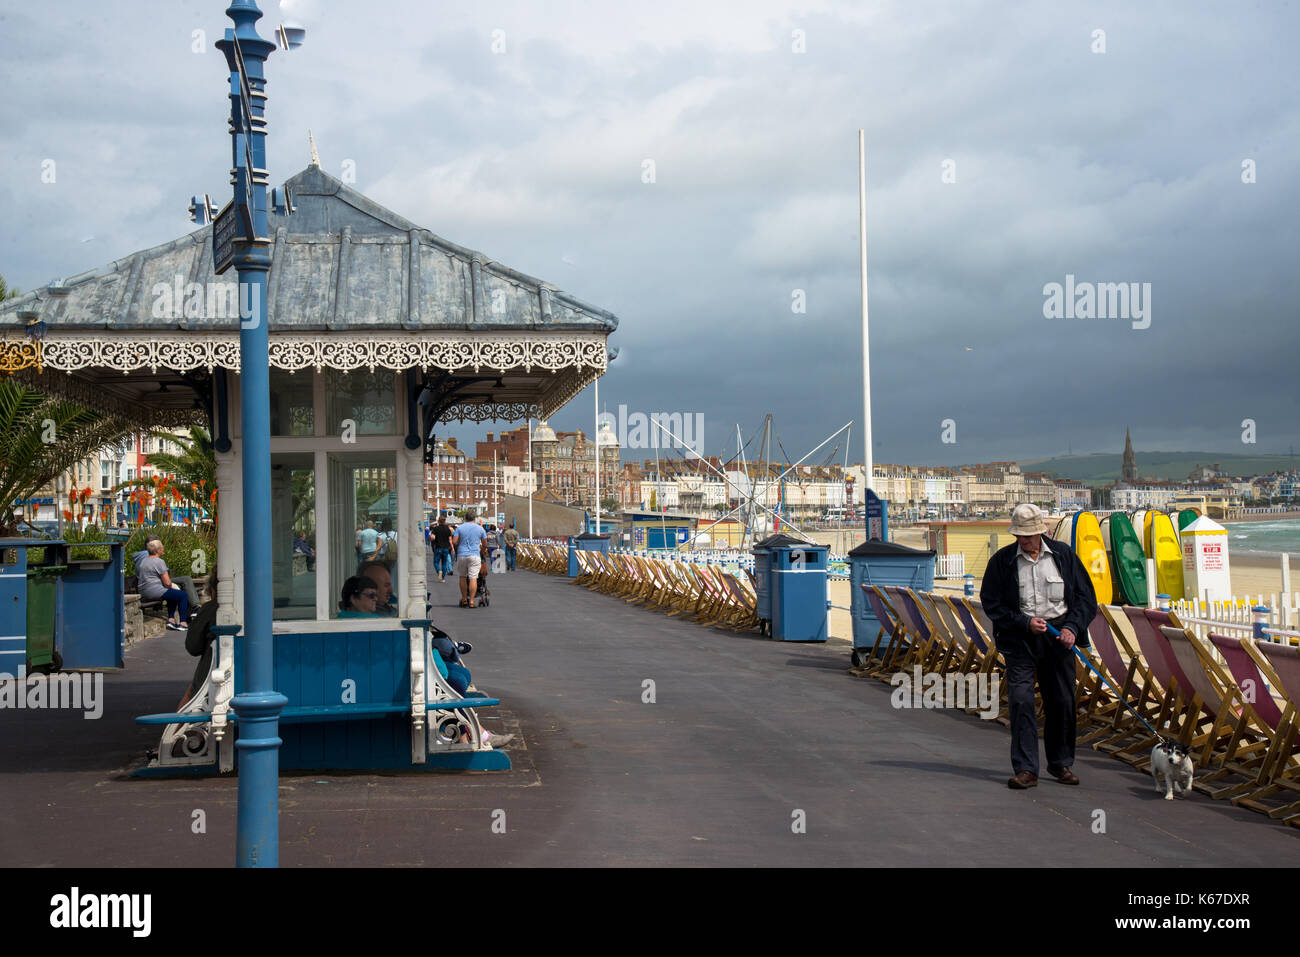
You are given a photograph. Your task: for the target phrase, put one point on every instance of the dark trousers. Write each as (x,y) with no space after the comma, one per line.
(177,599)
(1044,657)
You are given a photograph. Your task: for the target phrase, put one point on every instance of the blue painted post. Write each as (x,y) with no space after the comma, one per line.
(969,585)
(1259,619)
(258,705)
(1162,601)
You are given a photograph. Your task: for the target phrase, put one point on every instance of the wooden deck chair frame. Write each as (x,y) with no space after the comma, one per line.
(1282,772)
(971,658)
(943,646)
(899,640)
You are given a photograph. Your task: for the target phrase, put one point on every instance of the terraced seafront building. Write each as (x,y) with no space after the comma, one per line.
(380,333)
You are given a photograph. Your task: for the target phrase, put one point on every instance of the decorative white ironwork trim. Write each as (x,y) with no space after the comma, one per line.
(395,350)
(84,393)
(572,362)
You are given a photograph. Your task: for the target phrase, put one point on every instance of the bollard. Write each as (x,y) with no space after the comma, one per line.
(1259,616)
(1162,602)
(969,587)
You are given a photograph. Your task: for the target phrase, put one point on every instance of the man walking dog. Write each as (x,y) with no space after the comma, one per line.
(1027,586)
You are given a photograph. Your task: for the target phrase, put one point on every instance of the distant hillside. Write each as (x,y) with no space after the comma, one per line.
(1102,469)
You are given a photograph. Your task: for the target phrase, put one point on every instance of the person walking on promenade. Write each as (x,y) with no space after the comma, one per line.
(1027,586)
(511,539)
(468,542)
(440,539)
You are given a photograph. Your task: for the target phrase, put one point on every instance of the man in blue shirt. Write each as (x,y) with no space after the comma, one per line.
(367,543)
(466,543)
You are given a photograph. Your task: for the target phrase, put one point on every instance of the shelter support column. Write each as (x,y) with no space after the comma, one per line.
(229,549)
(411,542)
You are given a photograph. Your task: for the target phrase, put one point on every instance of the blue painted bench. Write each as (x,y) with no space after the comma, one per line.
(356,703)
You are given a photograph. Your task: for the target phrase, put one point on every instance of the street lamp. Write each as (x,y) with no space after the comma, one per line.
(240,238)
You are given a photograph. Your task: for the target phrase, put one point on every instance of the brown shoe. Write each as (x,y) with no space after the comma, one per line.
(1023,781)
(1064,775)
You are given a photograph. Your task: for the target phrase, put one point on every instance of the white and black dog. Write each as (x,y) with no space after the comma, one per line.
(1172,760)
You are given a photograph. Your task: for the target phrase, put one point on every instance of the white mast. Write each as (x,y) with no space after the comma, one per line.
(866,349)
(597,383)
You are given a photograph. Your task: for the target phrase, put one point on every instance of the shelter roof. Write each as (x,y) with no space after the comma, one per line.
(352,285)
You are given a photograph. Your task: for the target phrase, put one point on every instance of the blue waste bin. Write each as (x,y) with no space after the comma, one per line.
(792,587)
(92,626)
(70,611)
(762,566)
(883,563)
(586,542)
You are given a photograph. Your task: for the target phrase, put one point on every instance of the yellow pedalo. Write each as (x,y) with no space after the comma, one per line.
(1088,544)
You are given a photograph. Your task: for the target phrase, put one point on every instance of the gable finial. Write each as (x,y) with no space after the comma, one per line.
(315,159)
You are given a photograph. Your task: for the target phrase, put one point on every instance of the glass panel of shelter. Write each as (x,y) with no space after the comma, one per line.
(315,418)
(362,517)
(293,536)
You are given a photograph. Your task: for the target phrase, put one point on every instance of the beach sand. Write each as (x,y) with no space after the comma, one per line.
(1253,576)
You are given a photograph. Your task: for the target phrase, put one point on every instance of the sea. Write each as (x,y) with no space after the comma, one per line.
(1264,538)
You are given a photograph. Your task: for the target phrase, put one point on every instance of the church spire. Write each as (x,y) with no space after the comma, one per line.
(1130,460)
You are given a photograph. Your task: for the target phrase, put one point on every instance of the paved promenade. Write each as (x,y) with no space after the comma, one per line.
(743,733)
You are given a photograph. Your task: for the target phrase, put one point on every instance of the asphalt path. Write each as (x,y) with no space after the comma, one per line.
(752,752)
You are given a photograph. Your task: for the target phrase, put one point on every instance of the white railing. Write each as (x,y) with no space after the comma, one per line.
(950,566)
(1281,609)
(1237,616)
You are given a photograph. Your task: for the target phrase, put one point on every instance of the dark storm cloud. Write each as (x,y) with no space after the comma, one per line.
(1115,167)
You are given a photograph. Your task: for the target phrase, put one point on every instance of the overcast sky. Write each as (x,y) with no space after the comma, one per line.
(1119,166)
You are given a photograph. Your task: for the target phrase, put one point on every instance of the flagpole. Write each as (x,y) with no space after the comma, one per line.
(597,384)
(866,349)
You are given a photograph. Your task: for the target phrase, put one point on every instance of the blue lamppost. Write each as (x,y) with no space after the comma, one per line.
(240,239)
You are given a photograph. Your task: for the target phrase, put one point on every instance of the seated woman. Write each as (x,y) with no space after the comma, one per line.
(360,598)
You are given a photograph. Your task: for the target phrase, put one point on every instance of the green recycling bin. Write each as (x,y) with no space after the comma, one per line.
(42,598)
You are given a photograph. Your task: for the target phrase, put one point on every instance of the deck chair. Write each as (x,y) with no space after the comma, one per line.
(969,656)
(1247,734)
(944,646)
(885,655)
(719,606)
(968,659)
(1198,714)
(1133,741)
(649,581)
(923,643)
(982,639)
(1107,712)
(1279,665)
(745,617)
(684,595)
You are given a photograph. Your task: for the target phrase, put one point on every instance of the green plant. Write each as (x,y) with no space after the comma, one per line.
(192,471)
(42,437)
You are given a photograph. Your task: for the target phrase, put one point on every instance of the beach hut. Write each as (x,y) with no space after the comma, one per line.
(379,332)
